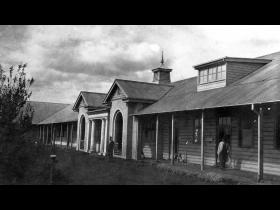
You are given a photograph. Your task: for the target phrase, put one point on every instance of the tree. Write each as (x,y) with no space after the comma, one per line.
(15,119)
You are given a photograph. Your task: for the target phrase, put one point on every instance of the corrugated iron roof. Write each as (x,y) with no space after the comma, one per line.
(43,110)
(64,115)
(261,86)
(91,99)
(141,90)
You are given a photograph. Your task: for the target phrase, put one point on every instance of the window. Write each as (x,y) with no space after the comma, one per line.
(246,130)
(224,128)
(212,74)
(156,76)
(197,131)
(221,73)
(277,131)
(203,76)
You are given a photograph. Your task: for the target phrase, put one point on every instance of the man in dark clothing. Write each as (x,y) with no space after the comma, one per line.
(111,148)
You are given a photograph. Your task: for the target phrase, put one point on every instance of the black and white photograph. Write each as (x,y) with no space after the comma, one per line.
(139,104)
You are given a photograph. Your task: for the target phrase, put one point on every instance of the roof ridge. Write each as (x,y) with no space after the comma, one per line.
(149,83)
(93,92)
(268,54)
(184,79)
(49,102)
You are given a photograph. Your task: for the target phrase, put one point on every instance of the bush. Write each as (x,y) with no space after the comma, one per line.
(17,153)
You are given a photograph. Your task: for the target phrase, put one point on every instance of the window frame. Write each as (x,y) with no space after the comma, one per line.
(277,132)
(243,116)
(222,117)
(199,130)
(211,74)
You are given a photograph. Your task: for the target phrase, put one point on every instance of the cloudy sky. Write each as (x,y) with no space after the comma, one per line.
(64,60)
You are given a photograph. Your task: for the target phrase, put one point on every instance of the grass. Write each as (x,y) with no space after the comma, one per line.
(78,168)
(85,169)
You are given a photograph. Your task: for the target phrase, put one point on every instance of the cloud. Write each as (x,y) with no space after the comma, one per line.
(67,59)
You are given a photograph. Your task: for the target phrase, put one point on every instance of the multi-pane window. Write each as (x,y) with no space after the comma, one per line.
(203,74)
(197,130)
(221,73)
(212,74)
(277,136)
(246,138)
(224,128)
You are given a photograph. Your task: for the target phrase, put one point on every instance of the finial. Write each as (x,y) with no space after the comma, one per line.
(162,60)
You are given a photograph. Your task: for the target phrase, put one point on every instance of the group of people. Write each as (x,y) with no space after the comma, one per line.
(223,152)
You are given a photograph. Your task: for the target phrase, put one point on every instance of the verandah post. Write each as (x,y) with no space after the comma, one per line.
(202,140)
(43,133)
(72,125)
(172,139)
(67,135)
(40,128)
(47,139)
(61,132)
(157,122)
(260,146)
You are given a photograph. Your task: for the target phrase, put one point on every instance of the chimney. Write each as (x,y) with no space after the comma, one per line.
(162,74)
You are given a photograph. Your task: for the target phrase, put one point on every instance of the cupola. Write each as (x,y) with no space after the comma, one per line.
(162,74)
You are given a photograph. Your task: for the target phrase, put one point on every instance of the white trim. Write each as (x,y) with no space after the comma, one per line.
(97,116)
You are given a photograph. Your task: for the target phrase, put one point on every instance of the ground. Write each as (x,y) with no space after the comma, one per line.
(86,169)
(78,168)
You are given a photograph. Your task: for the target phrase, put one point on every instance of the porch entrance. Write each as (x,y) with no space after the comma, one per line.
(97,134)
(148,137)
(118,131)
(82,132)
(223,131)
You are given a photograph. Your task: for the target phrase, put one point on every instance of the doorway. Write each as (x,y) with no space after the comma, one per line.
(223,131)
(118,133)
(82,132)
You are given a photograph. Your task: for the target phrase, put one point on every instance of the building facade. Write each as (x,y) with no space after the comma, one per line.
(236,99)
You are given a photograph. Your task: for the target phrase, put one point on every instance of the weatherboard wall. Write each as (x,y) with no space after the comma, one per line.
(241,158)
(238,70)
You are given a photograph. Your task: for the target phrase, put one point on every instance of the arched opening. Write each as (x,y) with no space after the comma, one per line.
(118,131)
(82,132)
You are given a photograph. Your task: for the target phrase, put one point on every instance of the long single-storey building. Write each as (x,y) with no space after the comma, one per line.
(53,123)
(233,98)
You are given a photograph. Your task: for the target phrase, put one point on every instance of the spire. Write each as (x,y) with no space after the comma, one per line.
(162,60)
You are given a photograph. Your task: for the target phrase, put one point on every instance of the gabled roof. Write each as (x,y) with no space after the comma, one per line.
(91,99)
(43,110)
(64,115)
(142,91)
(261,86)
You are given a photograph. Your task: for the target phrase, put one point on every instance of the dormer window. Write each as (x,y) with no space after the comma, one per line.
(213,74)
(225,71)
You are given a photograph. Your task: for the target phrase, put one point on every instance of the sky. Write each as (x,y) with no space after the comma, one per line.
(64,60)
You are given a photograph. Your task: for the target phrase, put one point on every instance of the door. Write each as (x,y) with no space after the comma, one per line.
(223,131)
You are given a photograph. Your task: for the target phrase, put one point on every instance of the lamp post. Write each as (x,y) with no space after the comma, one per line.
(53,158)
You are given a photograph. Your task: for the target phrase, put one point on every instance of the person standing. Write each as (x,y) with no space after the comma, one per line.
(222,153)
(228,152)
(111,148)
